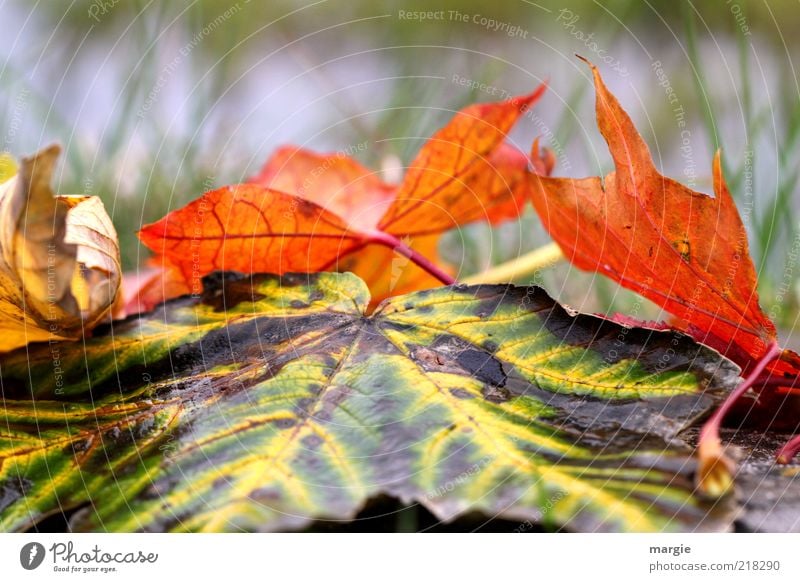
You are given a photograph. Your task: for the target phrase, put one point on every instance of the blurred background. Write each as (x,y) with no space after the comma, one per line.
(156,102)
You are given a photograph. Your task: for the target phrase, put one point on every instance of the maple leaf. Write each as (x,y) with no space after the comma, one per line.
(267,403)
(59,257)
(308,212)
(683,250)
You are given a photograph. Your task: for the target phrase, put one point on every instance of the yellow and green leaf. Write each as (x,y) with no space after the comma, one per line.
(269,402)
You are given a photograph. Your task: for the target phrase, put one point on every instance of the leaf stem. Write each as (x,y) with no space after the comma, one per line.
(715,469)
(788,451)
(401,248)
(713,424)
(531,262)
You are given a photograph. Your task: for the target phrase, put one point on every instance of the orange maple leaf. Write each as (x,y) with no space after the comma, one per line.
(308,212)
(683,250)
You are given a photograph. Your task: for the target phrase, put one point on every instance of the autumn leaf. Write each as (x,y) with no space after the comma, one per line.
(682,249)
(311,212)
(8,167)
(59,269)
(269,402)
(679,248)
(464,173)
(250,228)
(340,184)
(149,284)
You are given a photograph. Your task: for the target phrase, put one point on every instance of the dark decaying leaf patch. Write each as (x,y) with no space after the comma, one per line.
(270,403)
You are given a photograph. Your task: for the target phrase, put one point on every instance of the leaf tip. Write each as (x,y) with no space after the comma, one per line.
(43,159)
(46,152)
(542,158)
(8,167)
(716,168)
(36,171)
(585,60)
(714,478)
(150,233)
(598,80)
(788,451)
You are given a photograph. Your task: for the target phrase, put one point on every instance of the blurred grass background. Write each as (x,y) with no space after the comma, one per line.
(156,102)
